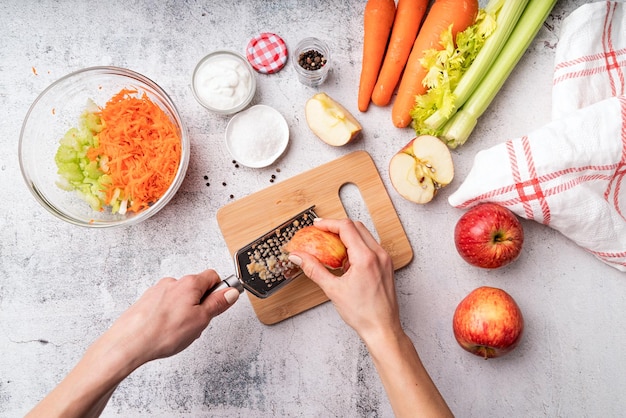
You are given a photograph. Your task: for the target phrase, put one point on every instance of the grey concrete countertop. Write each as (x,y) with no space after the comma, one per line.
(61,286)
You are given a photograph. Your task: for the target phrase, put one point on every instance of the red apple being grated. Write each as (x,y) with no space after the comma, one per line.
(326,246)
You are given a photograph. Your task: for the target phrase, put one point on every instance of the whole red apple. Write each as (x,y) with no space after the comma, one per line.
(488,322)
(326,246)
(489,236)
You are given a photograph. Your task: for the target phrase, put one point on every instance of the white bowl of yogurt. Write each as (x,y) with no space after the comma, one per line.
(224,82)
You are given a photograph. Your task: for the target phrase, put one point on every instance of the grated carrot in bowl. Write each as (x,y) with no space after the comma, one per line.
(139,148)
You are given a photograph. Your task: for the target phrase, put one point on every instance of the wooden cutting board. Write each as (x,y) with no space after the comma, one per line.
(244,220)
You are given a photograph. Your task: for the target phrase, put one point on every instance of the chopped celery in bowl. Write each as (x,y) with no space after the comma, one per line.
(68,140)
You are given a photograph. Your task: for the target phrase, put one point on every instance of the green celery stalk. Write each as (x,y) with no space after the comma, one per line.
(458,129)
(507,15)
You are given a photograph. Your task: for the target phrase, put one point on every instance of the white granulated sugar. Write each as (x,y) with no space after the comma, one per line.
(258,136)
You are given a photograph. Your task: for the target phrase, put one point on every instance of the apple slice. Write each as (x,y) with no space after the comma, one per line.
(330,121)
(420,168)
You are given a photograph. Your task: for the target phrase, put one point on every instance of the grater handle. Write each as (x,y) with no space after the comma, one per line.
(230,281)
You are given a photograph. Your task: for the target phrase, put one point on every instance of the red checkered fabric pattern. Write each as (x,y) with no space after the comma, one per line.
(590,58)
(570,174)
(267,53)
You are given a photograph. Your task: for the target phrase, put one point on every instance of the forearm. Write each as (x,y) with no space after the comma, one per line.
(164,321)
(409,388)
(86,390)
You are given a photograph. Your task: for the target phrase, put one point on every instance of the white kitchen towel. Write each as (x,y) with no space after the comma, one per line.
(571,173)
(590,57)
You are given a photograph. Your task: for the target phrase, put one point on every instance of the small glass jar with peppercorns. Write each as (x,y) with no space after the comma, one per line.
(311,60)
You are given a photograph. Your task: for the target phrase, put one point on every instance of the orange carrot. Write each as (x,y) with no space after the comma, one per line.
(140,148)
(377,21)
(409,15)
(443,13)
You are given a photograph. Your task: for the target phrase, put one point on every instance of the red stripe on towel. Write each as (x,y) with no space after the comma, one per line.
(614,72)
(531,189)
(614,185)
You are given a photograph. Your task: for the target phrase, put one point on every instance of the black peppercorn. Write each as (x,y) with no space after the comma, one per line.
(311,60)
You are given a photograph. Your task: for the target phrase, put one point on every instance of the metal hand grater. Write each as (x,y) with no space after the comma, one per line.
(262,267)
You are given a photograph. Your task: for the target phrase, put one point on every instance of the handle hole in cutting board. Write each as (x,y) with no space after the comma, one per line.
(354,205)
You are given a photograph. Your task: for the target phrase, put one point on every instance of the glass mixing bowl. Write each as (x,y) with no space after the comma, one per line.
(59,108)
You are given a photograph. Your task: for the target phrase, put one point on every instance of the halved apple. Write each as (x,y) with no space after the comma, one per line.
(330,121)
(420,168)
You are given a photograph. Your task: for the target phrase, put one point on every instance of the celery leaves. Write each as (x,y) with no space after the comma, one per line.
(445,69)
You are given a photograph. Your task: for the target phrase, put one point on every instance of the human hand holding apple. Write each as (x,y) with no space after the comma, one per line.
(488,322)
(489,236)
